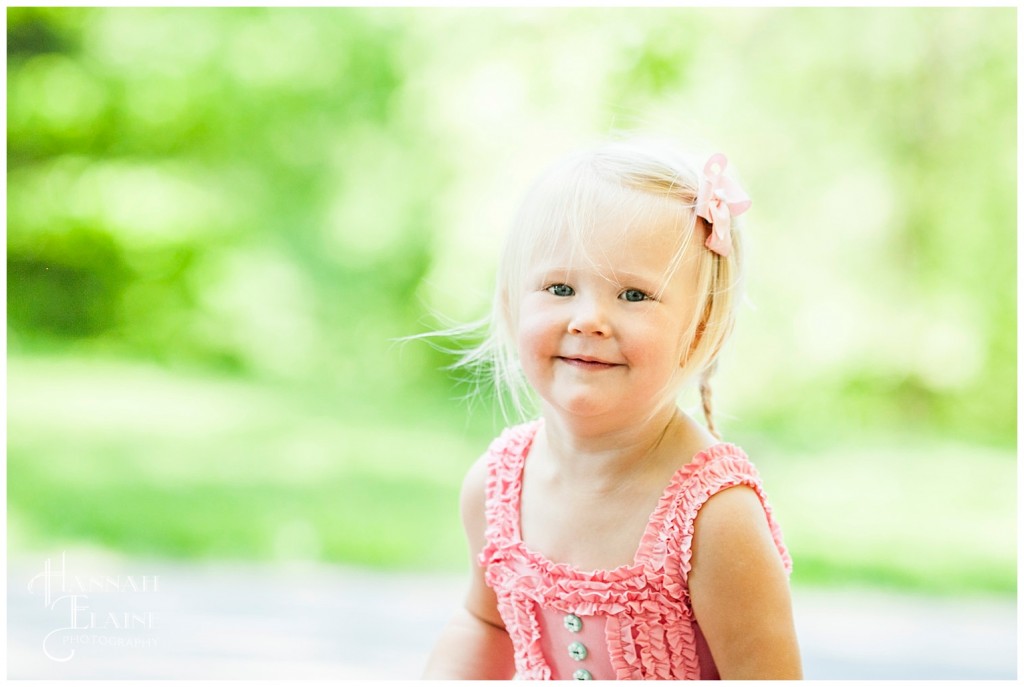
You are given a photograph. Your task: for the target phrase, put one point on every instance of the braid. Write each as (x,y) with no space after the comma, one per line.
(705,399)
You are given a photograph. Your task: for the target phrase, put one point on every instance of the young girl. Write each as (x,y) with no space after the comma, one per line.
(615,537)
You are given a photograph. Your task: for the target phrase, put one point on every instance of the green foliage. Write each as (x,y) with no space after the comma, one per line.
(253,151)
(66,286)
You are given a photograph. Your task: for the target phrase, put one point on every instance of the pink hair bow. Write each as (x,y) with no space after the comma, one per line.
(719,199)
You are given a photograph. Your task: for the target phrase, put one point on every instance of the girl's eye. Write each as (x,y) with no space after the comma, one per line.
(562,290)
(634,295)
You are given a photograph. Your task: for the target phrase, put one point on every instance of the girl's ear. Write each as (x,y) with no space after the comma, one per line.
(698,337)
(698,334)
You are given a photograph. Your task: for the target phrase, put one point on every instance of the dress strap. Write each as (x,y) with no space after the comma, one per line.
(505,458)
(713,470)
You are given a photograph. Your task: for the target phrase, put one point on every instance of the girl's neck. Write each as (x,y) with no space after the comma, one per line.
(598,455)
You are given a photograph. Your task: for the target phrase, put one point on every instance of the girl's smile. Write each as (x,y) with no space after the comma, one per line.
(587,363)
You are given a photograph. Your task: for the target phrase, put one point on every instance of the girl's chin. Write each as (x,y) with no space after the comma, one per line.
(595,408)
(587,410)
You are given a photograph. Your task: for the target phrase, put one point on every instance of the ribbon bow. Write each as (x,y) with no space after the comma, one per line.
(718,200)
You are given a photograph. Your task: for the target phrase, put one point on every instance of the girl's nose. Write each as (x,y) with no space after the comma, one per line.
(589,319)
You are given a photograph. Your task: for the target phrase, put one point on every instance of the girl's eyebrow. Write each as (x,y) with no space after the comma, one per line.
(545,271)
(632,276)
(649,282)
(622,277)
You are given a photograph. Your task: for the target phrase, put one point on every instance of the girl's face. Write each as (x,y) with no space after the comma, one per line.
(600,332)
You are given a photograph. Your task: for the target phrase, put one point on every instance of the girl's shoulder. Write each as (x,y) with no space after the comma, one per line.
(708,463)
(707,471)
(713,501)
(715,470)
(704,454)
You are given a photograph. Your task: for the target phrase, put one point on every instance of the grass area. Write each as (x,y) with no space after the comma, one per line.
(146,461)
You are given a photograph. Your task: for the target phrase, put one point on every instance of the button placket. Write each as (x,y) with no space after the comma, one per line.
(577,651)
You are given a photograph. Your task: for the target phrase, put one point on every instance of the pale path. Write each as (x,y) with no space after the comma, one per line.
(221,620)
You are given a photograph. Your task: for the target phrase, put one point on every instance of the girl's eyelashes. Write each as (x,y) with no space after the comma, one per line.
(630,295)
(561,290)
(634,295)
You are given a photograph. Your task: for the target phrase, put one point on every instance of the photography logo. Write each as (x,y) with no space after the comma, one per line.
(91,611)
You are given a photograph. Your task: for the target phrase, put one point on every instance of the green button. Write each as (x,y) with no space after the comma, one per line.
(577,651)
(582,674)
(573,623)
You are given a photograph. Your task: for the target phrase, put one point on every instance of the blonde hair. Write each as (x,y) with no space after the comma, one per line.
(647,178)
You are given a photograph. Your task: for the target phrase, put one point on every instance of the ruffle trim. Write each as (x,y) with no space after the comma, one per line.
(652,649)
(709,471)
(522,626)
(506,456)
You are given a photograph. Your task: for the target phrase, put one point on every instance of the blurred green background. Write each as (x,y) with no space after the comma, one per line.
(220,220)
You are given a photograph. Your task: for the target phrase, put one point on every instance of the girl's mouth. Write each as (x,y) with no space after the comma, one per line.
(587,363)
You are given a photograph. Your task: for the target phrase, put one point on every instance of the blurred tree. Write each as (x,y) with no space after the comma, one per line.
(248,195)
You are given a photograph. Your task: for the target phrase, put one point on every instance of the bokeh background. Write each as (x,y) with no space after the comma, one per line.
(221,221)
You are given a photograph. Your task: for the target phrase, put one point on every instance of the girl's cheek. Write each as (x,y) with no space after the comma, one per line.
(531,334)
(523,343)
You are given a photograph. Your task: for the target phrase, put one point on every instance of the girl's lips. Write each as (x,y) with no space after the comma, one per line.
(587,364)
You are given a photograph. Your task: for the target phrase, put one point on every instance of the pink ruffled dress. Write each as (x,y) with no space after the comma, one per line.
(630,623)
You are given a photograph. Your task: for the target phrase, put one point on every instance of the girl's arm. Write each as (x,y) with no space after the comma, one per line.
(740,592)
(474,645)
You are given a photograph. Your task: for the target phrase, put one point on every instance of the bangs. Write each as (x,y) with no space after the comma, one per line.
(568,203)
